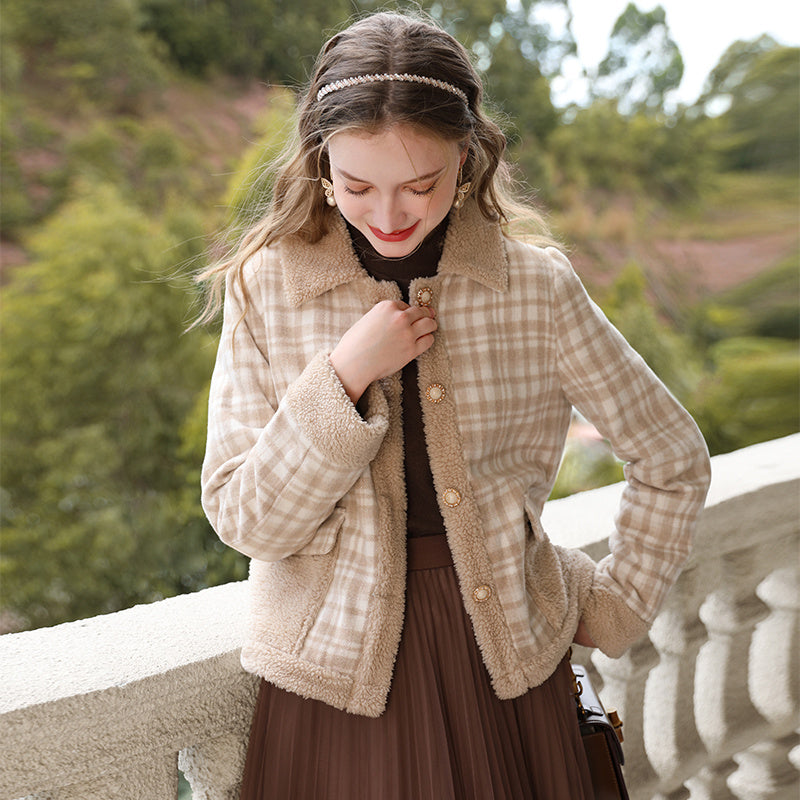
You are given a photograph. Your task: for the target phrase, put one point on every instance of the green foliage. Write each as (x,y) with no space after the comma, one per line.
(737,370)
(766,306)
(751,384)
(197,35)
(104,398)
(250,185)
(523,94)
(762,125)
(643,62)
(97,154)
(751,393)
(587,464)
(96,48)
(731,71)
(601,148)
(97,380)
(669,354)
(271,39)
(26,193)
(16,208)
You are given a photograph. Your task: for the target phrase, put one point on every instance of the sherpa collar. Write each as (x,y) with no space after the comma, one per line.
(474,248)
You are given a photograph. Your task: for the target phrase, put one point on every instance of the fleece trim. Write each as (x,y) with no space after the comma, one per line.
(328,418)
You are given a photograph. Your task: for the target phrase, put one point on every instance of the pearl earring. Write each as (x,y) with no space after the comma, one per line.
(328,187)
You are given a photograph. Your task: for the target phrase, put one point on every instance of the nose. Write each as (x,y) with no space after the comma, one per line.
(388,214)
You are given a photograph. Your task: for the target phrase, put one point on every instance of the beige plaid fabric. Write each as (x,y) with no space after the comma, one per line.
(313,492)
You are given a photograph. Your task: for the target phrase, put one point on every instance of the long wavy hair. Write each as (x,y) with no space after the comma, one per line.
(385,42)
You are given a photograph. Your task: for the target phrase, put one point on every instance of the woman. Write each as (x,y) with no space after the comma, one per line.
(394,384)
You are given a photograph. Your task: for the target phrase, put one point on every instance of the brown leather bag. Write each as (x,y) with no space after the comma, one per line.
(601,732)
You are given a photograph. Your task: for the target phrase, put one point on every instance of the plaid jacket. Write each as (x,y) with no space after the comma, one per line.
(313,491)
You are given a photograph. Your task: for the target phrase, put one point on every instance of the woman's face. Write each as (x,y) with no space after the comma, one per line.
(395,186)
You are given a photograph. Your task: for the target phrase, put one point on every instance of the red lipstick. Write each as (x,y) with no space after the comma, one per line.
(394,236)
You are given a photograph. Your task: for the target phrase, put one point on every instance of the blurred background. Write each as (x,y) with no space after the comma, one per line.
(132,134)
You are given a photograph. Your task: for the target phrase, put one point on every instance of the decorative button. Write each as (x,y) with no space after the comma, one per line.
(482,593)
(424,296)
(435,393)
(451,497)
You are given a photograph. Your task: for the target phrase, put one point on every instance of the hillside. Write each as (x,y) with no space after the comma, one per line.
(105,394)
(741,228)
(210,123)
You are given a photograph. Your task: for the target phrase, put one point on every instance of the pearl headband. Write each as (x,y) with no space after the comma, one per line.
(386,76)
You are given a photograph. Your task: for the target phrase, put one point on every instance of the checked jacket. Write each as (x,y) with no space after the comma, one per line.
(313,491)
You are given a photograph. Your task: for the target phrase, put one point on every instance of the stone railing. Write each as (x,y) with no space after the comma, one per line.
(113,707)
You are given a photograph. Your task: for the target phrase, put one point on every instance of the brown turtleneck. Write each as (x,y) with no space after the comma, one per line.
(424,517)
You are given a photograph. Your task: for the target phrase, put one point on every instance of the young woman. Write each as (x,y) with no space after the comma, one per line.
(393,389)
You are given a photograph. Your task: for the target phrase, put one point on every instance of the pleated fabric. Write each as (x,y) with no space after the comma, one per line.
(444,735)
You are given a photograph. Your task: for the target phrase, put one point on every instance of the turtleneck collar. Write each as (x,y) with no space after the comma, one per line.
(423,262)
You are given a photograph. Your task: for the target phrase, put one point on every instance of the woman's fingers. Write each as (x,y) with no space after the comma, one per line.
(423,321)
(382,342)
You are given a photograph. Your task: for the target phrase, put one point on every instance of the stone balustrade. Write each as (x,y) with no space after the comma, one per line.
(113,707)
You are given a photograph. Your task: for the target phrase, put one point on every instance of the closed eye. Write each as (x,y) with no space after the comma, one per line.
(423,192)
(417,192)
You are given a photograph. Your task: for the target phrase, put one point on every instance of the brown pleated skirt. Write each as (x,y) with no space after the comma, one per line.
(445,735)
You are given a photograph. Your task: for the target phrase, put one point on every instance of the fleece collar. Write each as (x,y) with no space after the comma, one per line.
(473,248)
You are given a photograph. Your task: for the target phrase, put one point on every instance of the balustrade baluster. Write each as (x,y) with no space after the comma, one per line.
(725,716)
(623,689)
(711,783)
(765,772)
(671,739)
(214,767)
(775,652)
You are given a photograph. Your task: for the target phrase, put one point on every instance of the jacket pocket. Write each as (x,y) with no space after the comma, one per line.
(325,537)
(288,594)
(544,573)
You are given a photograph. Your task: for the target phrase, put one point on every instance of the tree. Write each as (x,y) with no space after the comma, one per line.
(98,48)
(755,86)
(643,62)
(97,381)
(197,35)
(275,40)
(731,72)
(600,148)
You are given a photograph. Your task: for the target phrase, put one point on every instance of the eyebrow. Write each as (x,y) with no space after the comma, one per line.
(419,179)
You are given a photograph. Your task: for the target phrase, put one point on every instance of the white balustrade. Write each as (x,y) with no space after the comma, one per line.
(112,707)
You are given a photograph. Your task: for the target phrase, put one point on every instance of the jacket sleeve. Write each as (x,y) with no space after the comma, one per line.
(667,468)
(275,468)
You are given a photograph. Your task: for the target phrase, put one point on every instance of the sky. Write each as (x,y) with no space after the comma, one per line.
(702,29)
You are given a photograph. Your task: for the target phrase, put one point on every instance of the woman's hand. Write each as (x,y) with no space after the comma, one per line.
(382,342)
(582,636)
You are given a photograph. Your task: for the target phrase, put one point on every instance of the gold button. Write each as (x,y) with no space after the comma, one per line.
(451,497)
(425,296)
(482,593)
(435,393)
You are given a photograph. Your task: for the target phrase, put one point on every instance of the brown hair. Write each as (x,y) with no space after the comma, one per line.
(381,43)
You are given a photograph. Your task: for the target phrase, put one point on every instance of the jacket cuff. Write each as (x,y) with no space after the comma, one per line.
(329,420)
(611,623)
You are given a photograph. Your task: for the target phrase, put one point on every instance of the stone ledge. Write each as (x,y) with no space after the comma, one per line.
(121,694)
